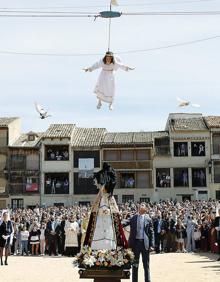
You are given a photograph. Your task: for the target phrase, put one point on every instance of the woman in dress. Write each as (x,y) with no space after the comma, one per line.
(104,229)
(35,240)
(105,86)
(180,232)
(42,238)
(6,236)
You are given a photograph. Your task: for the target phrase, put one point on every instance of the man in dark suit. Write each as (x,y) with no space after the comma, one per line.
(159,231)
(63,236)
(141,240)
(52,238)
(217,227)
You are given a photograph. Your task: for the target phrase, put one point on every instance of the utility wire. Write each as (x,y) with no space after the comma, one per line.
(170,46)
(73,14)
(198,13)
(46,12)
(116,52)
(47,16)
(121,5)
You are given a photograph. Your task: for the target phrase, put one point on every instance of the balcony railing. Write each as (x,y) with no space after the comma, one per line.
(162,150)
(3,141)
(131,164)
(15,189)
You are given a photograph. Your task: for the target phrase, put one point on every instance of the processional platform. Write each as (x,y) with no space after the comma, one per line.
(105,275)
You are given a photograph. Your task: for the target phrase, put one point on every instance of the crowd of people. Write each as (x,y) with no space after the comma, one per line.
(188,226)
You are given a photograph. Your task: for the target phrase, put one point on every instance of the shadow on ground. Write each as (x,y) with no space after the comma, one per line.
(210,259)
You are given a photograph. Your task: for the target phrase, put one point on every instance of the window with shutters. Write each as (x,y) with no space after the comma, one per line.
(143,179)
(216,143)
(217,171)
(181,177)
(111,155)
(142,155)
(127,155)
(32,162)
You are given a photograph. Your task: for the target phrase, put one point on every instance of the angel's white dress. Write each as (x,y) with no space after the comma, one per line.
(105,86)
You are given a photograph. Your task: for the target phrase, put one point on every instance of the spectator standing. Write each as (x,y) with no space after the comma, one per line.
(190,227)
(42,238)
(180,232)
(159,232)
(24,240)
(35,240)
(6,236)
(71,231)
(52,238)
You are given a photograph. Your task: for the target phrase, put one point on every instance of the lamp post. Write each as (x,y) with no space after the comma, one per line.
(210,169)
(210,166)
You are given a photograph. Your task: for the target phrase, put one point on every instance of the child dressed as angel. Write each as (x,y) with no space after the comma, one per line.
(105,86)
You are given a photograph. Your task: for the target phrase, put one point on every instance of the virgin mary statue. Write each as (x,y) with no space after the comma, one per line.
(104,228)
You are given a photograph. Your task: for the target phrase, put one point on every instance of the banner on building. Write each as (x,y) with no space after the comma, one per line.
(86,168)
(31,185)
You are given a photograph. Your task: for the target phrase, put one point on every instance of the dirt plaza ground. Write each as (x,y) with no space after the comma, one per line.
(164,267)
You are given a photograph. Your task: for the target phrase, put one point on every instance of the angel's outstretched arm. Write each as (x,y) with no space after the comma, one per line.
(123,67)
(97,65)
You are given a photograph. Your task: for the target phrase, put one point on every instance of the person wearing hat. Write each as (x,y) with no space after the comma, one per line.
(105,86)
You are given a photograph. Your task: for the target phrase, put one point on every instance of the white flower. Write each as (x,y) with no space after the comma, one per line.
(101,259)
(90,261)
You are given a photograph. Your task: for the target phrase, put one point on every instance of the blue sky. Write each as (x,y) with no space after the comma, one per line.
(144,97)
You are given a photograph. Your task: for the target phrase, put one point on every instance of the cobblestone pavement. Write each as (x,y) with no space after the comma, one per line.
(164,267)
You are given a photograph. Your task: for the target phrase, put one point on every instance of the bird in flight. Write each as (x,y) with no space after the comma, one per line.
(185,103)
(43,113)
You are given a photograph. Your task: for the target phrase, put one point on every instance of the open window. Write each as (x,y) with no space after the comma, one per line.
(162,146)
(198,149)
(127,180)
(198,177)
(181,177)
(180,149)
(163,177)
(56,153)
(56,183)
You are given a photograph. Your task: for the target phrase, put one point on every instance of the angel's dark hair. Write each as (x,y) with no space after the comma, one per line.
(109,54)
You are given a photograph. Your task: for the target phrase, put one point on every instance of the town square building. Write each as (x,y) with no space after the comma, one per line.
(56,167)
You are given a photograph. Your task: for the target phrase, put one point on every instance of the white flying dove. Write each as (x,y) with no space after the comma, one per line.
(43,114)
(184,103)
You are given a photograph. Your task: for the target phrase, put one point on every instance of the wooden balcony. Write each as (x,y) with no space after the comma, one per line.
(162,151)
(16,189)
(131,164)
(3,150)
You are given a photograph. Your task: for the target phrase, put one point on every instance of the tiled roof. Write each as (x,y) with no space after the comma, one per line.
(122,138)
(212,121)
(186,124)
(23,141)
(5,121)
(59,131)
(88,137)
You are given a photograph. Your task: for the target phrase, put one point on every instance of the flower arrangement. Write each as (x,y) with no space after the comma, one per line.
(107,259)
